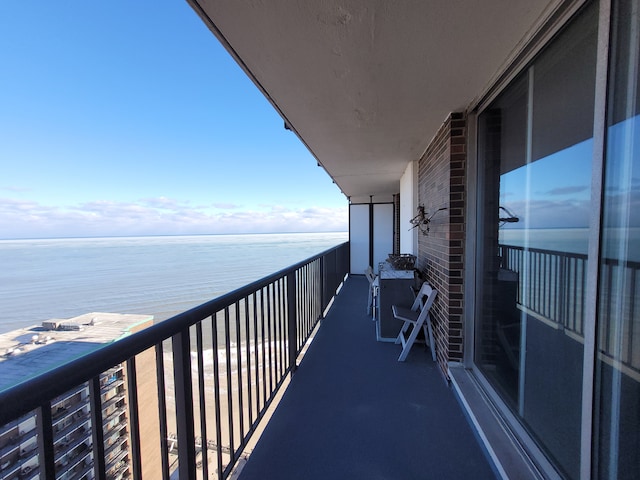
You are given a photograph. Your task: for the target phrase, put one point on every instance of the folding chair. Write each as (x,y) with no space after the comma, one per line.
(417,317)
(372,302)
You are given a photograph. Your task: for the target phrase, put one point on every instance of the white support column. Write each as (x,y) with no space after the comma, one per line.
(408,205)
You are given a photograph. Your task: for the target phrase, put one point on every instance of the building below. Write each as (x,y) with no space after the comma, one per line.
(27,352)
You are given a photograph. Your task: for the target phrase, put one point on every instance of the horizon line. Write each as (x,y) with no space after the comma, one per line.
(96,237)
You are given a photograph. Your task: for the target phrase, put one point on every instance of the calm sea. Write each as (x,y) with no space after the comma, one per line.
(617,243)
(159,276)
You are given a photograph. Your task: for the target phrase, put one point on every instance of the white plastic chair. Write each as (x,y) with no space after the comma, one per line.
(416,318)
(372,301)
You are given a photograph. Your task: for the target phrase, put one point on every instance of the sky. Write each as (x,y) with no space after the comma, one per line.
(552,192)
(555,191)
(129,118)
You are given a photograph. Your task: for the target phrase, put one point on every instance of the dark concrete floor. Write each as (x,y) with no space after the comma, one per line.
(352,411)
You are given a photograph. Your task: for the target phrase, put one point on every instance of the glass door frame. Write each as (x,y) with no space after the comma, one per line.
(474,257)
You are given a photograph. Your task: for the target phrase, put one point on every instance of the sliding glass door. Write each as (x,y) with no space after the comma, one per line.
(535,150)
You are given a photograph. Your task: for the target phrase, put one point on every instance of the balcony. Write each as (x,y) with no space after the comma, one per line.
(351,409)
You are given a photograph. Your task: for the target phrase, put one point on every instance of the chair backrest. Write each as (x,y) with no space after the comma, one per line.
(424,299)
(369,274)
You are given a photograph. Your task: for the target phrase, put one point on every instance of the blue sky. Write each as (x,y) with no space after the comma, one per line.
(129,118)
(552,192)
(555,191)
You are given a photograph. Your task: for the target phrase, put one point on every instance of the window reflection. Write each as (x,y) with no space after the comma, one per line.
(618,359)
(536,149)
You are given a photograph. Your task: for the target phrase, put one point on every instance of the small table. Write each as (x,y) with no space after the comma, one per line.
(395,289)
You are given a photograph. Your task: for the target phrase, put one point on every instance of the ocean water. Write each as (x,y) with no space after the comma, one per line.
(617,243)
(159,276)
(573,240)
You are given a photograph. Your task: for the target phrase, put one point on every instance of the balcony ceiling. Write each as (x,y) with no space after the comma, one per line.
(365,84)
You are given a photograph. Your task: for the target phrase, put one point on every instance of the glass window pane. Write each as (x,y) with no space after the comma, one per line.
(536,148)
(618,359)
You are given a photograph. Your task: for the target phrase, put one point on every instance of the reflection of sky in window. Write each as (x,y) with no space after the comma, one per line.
(622,191)
(558,197)
(552,192)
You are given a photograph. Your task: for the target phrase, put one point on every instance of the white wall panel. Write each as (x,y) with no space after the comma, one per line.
(382,233)
(359,238)
(408,205)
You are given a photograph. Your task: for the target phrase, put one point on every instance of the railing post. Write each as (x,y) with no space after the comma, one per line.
(97,433)
(292,321)
(184,405)
(563,289)
(323,286)
(162,410)
(134,418)
(45,441)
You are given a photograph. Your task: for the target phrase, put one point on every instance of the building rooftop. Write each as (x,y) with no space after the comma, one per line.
(28,351)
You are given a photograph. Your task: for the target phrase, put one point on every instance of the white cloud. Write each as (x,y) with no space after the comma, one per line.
(12,188)
(159,216)
(225,206)
(568,190)
(569,213)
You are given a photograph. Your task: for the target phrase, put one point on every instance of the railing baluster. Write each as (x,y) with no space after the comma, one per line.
(274,334)
(309,297)
(162,411)
(313,271)
(632,311)
(227,350)
(582,272)
(305,305)
(270,339)
(310,316)
(256,351)
(134,418)
(239,363)
(546,281)
(573,268)
(608,308)
(319,289)
(202,403)
(324,282)
(538,281)
(579,283)
(97,432)
(279,300)
(184,404)
(527,265)
(264,350)
(292,321)
(216,393)
(299,305)
(561,285)
(248,354)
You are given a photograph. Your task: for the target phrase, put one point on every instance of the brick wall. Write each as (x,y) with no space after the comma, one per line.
(441,184)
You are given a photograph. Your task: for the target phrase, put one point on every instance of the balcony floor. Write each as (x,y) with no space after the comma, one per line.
(352,411)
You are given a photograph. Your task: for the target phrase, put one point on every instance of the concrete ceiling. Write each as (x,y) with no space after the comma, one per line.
(365,84)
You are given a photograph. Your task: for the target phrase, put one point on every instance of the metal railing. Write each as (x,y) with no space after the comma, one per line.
(552,284)
(220,365)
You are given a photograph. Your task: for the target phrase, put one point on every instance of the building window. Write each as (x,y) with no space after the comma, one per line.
(535,151)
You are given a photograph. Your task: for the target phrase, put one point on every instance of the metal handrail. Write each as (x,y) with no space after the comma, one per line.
(557,285)
(291,301)
(28,395)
